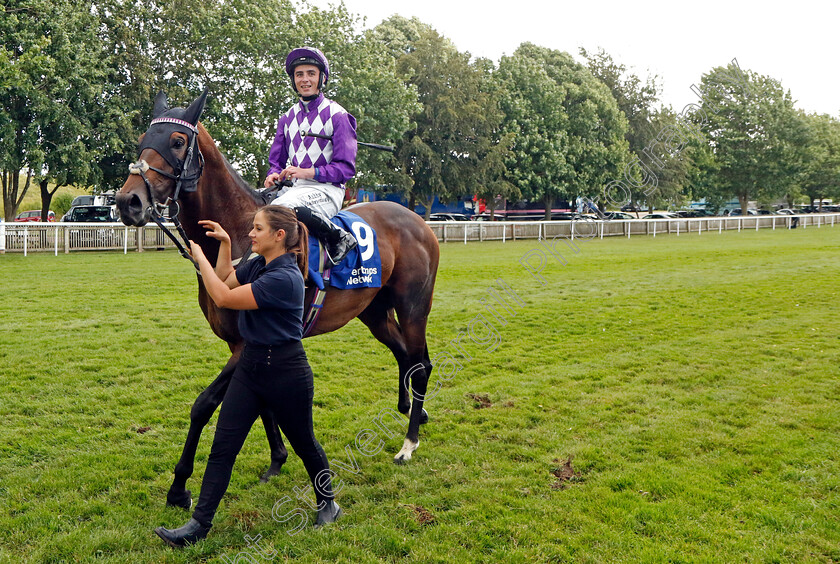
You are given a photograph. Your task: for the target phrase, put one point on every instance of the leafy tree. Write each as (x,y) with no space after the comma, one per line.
(753,131)
(24,63)
(569,132)
(635,98)
(457,123)
(821,159)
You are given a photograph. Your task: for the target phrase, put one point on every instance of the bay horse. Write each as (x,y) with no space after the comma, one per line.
(180,163)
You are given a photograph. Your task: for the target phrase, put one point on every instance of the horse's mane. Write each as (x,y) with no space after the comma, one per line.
(237,179)
(241,182)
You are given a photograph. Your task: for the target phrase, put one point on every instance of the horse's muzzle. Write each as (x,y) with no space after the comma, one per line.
(133,211)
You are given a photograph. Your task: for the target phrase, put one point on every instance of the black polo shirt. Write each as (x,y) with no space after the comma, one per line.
(278,290)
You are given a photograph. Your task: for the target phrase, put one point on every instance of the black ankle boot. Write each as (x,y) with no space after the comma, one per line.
(338,250)
(337,241)
(190,533)
(328,514)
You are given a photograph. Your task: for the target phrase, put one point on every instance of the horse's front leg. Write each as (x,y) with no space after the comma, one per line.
(202,410)
(279,454)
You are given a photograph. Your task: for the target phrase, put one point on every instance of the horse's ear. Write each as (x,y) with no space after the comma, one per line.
(194,111)
(161,104)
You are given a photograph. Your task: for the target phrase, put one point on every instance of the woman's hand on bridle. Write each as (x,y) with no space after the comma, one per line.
(215,231)
(196,252)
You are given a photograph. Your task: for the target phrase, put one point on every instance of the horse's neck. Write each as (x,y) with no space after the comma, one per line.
(221,199)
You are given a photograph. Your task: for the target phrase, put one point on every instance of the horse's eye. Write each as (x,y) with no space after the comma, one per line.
(178,143)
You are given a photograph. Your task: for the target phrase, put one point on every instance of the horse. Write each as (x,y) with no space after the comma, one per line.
(181,167)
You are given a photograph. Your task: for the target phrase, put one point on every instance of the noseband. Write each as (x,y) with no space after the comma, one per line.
(188,181)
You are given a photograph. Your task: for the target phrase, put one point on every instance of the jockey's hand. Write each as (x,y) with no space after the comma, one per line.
(296,172)
(214,230)
(271,179)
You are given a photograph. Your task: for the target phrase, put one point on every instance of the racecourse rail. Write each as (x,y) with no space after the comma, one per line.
(69,237)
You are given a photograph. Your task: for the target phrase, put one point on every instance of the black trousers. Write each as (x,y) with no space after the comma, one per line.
(280,379)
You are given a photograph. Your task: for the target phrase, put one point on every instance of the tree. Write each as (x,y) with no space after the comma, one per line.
(455,126)
(569,132)
(73,125)
(636,99)
(25,30)
(820,176)
(753,132)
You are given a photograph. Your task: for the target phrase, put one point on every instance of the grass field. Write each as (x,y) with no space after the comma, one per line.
(693,381)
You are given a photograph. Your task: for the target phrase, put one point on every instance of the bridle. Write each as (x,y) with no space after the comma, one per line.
(188,181)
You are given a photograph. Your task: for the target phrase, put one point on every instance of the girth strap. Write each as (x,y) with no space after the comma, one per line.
(311,317)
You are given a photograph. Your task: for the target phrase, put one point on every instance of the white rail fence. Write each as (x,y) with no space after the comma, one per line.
(465,231)
(70,237)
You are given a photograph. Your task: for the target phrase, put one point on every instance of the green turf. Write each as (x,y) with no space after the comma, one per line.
(693,381)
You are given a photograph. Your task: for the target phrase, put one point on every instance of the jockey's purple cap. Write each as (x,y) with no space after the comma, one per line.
(308,56)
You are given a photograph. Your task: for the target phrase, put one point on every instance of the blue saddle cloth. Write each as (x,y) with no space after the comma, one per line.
(361,268)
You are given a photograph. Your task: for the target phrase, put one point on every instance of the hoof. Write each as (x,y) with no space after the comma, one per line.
(182,500)
(405,453)
(273,470)
(327,515)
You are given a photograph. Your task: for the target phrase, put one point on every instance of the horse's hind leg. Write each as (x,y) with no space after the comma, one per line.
(379,318)
(412,307)
(279,454)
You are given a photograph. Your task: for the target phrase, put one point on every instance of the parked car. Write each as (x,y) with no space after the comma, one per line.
(692,213)
(90,214)
(106,199)
(34,215)
(786,211)
(83,201)
(630,208)
(737,211)
(618,215)
(765,212)
(565,216)
(448,217)
(660,215)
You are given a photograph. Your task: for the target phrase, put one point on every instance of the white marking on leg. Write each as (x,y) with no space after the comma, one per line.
(405,452)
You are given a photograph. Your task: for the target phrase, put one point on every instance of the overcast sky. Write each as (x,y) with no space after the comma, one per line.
(793,42)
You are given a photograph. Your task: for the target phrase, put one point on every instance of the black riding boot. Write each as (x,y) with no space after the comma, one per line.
(190,533)
(338,242)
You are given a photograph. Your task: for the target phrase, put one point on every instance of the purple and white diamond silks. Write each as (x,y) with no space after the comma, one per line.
(334,159)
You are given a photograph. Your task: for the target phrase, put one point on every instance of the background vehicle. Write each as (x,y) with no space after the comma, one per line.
(786,211)
(448,217)
(83,214)
(618,215)
(660,215)
(34,215)
(692,213)
(105,199)
(737,211)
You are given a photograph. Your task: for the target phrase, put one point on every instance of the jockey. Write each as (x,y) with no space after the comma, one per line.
(317,166)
